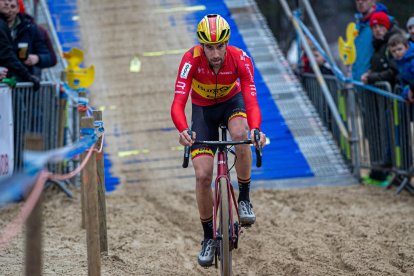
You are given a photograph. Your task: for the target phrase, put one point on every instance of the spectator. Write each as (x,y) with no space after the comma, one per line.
(25,32)
(382,66)
(8,58)
(322,63)
(403,53)
(410,29)
(363,42)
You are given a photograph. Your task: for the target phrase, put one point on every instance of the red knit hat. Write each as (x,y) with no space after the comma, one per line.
(380,18)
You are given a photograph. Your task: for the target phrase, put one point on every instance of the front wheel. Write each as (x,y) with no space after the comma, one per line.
(225,253)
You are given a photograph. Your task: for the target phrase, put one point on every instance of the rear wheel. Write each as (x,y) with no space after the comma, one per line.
(225,253)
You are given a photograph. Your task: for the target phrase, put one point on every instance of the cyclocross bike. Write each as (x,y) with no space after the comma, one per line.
(228,229)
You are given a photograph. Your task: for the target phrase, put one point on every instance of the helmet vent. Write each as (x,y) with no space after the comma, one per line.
(203,36)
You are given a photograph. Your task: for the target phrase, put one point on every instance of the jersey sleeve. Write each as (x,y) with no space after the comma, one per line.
(246,75)
(182,90)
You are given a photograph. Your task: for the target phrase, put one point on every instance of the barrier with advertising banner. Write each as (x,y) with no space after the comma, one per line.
(6,133)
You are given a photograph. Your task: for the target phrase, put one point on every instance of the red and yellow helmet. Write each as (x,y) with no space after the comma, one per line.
(213,29)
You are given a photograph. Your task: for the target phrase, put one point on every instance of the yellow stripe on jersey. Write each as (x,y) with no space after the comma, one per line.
(208,91)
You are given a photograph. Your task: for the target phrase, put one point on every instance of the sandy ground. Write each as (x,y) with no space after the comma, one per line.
(153,224)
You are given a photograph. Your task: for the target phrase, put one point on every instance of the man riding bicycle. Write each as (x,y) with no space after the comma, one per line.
(220,80)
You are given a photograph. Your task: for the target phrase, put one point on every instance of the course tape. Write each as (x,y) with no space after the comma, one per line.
(12,188)
(338,73)
(26,180)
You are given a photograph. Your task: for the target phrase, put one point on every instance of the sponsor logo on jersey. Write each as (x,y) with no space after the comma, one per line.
(226,73)
(180,85)
(211,91)
(185,70)
(249,71)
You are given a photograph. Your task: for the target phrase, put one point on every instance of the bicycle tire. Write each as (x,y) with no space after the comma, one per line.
(225,253)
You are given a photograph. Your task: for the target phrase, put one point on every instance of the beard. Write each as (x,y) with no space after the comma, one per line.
(216,62)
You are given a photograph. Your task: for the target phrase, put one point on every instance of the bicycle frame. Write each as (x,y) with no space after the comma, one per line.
(222,172)
(227,243)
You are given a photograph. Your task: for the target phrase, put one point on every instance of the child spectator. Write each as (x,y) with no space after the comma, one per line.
(410,29)
(322,63)
(403,53)
(382,66)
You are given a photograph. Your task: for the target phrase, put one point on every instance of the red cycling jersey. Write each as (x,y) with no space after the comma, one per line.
(208,88)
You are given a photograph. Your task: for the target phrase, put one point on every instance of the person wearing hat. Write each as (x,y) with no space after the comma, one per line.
(410,29)
(364,50)
(382,67)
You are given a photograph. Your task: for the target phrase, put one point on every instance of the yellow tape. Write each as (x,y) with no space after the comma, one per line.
(166,52)
(182,9)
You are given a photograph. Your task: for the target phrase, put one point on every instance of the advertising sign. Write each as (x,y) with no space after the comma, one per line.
(6,133)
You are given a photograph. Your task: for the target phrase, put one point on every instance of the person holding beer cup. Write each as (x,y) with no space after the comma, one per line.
(29,41)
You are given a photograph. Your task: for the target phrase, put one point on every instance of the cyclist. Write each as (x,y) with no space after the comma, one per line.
(220,80)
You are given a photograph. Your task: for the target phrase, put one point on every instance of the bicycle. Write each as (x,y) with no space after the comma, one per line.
(228,231)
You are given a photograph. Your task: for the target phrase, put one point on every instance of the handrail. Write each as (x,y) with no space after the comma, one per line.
(317,71)
(318,29)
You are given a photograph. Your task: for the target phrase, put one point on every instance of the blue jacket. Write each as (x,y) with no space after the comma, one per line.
(406,70)
(363,43)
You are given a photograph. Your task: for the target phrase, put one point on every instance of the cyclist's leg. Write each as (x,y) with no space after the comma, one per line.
(203,162)
(238,128)
(203,167)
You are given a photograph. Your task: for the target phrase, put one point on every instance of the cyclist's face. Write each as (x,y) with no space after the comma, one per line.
(215,53)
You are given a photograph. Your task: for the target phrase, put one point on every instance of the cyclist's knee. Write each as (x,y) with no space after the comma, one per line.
(204,179)
(239,133)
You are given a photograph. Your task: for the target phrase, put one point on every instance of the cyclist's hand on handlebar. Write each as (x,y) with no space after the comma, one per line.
(262,139)
(185,139)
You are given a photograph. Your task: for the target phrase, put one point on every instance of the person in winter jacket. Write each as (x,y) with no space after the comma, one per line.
(8,58)
(363,42)
(403,53)
(382,65)
(26,33)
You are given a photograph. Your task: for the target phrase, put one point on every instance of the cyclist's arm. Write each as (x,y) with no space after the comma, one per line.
(246,75)
(182,90)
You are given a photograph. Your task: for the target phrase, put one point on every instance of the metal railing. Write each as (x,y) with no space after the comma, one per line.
(41,112)
(386,125)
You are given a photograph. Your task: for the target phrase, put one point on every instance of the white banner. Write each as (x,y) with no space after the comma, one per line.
(6,133)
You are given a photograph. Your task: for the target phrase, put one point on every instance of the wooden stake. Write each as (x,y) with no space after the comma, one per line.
(81,115)
(101,190)
(91,203)
(33,262)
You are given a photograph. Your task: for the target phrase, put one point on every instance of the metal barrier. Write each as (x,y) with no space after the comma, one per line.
(34,112)
(386,133)
(42,112)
